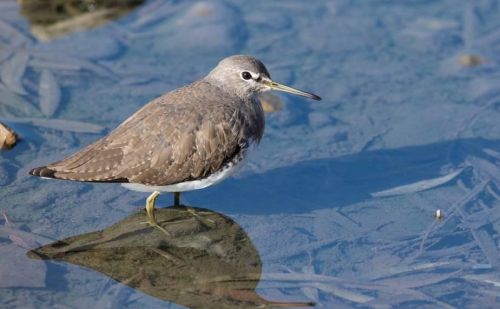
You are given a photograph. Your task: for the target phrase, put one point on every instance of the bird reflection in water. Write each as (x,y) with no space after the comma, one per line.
(205,260)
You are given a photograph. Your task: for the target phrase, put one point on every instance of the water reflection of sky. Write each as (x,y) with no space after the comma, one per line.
(339,200)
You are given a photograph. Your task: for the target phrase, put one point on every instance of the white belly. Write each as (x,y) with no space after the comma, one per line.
(213,179)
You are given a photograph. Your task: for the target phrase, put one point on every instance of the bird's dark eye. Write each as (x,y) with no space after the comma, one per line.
(246,75)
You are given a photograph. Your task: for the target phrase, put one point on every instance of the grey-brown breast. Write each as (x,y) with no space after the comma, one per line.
(184,135)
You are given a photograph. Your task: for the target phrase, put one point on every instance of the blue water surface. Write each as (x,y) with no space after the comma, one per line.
(339,199)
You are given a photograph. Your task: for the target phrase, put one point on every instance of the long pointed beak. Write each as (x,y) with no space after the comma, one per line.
(276,86)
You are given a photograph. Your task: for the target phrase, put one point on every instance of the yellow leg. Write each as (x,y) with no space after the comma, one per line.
(177,198)
(150,211)
(150,207)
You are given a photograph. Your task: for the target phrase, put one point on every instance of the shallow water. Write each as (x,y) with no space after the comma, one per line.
(339,199)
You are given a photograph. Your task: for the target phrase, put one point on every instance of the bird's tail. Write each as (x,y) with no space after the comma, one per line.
(43,171)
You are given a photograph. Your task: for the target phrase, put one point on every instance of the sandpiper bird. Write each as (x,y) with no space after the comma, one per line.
(190,138)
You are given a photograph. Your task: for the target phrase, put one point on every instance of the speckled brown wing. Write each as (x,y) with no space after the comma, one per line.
(183,135)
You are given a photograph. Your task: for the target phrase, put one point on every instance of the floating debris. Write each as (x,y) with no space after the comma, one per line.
(86,45)
(57,60)
(470,60)
(49,92)
(438,215)
(12,71)
(271,103)
(8,138)
(5,54)
(423,28)
(436,24)
(418,186)
(13,36)
(136,80)
(346,294)
(311,292)
(16,104)
(491,278)
(54,65)
(417,280)
(61,124)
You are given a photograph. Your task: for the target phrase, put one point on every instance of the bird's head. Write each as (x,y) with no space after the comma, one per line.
(247,76)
